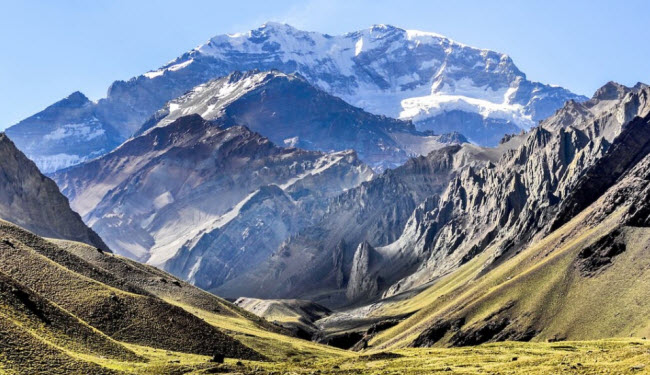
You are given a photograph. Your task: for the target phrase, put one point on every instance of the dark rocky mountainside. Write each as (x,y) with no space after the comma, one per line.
(289,111)
(33,201)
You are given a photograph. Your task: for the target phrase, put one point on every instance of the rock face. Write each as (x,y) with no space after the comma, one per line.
(205,201)
(500,204)
(440,84)
(291,112)
(33,201)
(505,206)
(376,211)
(363,283)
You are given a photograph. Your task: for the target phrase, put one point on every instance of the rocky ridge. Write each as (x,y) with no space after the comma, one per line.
(33,201)
(153,198)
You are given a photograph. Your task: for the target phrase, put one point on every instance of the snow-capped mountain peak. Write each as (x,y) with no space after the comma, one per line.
(440,84)
(409,74)
(290,111)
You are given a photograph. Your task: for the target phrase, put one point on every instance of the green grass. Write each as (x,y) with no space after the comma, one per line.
(613,356)
(543,280)
(548,292)
(271,344)
(586,357)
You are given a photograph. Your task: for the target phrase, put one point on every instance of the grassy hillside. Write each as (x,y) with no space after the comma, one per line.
(80,310)
(161,284)
(550,291)
(616,356)
(54,322)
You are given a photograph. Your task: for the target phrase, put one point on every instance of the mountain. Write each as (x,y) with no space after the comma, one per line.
(289,111)
(66,133)
(203,200)
(439,84)
(33,201)
(375,212)
(500,205)
(584,278)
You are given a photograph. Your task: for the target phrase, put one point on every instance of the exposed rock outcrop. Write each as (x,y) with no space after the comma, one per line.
(363,281)
(33,201)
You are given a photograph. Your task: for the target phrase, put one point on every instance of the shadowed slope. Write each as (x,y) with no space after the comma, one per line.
(33,201)
(122,311)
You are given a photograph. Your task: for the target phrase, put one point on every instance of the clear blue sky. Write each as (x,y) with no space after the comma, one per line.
(52,48)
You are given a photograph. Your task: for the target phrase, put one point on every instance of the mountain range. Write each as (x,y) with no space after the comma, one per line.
(500,205)
(439,84)
(282,201)
(204,200)
(291,112)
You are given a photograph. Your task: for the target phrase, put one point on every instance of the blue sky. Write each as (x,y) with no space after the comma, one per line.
(52,48)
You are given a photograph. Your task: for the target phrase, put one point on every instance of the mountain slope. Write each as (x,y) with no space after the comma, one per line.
(289,111)
(33,201)
(154,197)
(596,263)
(376,211)
(121,310)
(24,313)
(504,205)
(440,84)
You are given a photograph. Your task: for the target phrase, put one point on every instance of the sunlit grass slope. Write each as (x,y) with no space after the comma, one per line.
(542,292)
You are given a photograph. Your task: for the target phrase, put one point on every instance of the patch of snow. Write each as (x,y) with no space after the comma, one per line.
(209,99)
(291,142)
(162,200)
(418,109)
(172,68)
(194,270)
(358,47)
(87,131)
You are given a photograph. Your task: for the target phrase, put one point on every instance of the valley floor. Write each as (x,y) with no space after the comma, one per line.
(613,356)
